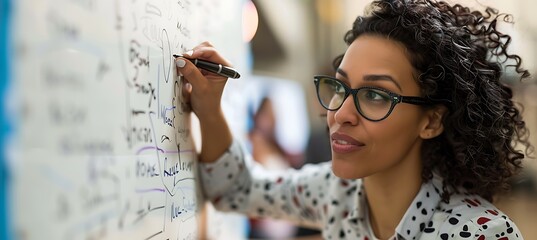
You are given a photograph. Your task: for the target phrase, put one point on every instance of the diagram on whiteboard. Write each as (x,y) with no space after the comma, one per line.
(103,147)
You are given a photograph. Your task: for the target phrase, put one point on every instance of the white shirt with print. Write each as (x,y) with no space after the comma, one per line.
(313,196)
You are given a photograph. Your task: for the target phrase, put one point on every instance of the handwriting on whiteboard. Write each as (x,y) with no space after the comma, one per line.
(109,141)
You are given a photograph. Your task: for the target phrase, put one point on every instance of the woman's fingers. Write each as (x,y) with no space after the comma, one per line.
(186,91)
(190,71)
(185,96)
(205,92)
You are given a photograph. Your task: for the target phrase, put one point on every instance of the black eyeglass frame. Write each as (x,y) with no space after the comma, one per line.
(394,97)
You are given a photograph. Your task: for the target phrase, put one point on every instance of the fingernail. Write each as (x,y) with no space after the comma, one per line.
(190,52)
(180,63)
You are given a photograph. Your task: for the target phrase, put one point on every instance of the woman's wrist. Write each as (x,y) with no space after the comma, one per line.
(216,137)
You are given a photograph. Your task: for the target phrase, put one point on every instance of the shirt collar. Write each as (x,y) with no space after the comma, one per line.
(357,216)
(420,213)
(417,216)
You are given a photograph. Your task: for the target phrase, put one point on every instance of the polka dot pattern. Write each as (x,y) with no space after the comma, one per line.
(313,196)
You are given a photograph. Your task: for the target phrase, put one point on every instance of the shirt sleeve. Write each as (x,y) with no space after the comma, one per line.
(237,183)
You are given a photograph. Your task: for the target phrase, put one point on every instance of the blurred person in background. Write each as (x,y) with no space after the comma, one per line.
(422,132)
(272,130)
(277,142)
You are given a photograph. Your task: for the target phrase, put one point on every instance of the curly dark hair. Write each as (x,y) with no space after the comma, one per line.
(458,55)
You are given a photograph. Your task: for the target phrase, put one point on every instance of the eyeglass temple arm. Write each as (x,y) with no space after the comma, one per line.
(422,101)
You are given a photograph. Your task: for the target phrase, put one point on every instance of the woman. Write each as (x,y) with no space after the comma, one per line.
(422,132)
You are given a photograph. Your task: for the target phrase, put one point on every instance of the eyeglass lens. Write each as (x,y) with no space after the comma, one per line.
(372,103)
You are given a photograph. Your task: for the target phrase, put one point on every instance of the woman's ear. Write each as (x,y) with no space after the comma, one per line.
(433,125)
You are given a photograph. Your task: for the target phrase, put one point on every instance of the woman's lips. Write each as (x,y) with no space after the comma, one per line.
(342,143)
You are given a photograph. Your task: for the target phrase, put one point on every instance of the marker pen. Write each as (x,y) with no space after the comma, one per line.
(213,67)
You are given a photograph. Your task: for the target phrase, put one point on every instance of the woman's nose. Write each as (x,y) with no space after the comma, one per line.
(347,113)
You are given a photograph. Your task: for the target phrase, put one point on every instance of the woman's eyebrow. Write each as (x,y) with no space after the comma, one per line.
(381,77)
(372,77)
(343,73)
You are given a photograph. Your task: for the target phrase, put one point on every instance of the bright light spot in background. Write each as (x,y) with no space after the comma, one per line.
(250,21)
(329,11)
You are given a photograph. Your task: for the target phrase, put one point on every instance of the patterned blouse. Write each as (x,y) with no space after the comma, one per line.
(313,196)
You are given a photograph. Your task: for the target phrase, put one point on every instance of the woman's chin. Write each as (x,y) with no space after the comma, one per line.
(346,171)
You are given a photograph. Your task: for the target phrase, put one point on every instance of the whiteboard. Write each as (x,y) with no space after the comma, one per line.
(103,145)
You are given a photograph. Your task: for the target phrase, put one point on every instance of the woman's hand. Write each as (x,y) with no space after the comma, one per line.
(203,90)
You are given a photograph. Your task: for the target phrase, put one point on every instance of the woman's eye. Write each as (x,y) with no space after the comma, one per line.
(376,95)
(339,88)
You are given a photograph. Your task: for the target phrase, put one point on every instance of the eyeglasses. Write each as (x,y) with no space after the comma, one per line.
(374,104)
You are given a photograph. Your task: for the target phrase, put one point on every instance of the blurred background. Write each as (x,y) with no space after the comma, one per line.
(296,39)
(286,43)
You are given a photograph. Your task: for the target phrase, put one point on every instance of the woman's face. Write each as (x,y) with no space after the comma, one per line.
(360,147)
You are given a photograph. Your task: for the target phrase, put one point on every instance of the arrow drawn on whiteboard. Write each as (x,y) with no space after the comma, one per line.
(163,138)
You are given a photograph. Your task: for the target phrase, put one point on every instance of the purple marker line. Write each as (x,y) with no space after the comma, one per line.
(148,148)
(150,190)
